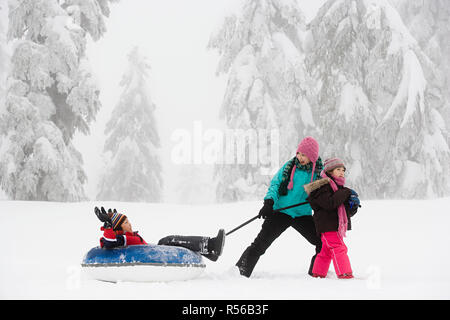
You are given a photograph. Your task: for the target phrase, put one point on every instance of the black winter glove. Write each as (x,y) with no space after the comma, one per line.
(267,210)
(110,211)
(110,244)
(103,217)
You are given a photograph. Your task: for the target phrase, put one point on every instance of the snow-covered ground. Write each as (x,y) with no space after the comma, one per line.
(398,250)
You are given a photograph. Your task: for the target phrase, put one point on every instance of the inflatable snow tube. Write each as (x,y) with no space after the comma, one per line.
(143,263)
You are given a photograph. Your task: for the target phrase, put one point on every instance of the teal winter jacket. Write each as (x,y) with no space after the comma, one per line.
(296,195)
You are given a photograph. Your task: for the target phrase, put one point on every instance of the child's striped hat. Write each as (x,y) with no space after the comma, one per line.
(332,163)
(117,220)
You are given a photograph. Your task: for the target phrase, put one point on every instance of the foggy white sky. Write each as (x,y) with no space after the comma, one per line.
(173,35)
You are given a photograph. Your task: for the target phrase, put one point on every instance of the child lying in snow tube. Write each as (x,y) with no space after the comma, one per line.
(121,247)
(117,231)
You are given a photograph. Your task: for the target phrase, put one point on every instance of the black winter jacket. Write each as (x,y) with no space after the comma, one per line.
(325,202)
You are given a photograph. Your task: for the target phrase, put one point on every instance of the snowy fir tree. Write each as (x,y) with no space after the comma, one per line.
(5,51)
(4,65)
(4,54)
(133,170)
(51,94)
(341,108)
(429,22)
(261,51)
(378,104)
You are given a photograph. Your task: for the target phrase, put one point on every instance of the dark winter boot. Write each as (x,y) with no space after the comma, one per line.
(215,246)
(311,265)
(247,263)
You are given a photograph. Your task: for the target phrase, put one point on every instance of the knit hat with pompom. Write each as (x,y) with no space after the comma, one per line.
(309,147)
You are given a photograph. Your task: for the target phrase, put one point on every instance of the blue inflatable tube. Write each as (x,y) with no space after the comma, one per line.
(143,263)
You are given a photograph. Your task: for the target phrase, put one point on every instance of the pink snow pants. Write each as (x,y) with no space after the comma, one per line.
(333,248)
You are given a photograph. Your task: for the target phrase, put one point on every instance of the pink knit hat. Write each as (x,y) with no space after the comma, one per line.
(309,147)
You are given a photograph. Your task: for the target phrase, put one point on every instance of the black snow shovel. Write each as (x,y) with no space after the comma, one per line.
(256,217)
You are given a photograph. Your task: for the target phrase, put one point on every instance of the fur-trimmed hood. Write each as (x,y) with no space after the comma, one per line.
(310,187)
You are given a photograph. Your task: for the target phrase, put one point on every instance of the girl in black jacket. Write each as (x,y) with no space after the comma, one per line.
(330,201)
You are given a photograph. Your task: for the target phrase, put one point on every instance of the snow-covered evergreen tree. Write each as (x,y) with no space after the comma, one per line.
(133,171)
(262,52)
(429,22)
(4,54)
(376,105)
(4,65)
(342,110)
(51,94)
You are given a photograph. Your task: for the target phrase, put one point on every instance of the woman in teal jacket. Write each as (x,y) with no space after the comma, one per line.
(286,189)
